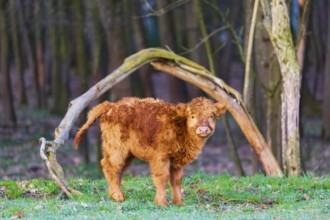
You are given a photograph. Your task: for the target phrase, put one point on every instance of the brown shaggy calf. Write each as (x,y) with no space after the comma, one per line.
(167,136)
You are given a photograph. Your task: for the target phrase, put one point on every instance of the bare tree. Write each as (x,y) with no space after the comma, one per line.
(177,88)
(17,50)
(192,35)
(9,115)
(118,48)
(251,7)
(141,43)
(82,67)
(326,87)
(267,94)
(277,23)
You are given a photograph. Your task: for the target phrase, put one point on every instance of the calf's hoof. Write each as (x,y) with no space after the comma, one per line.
(178,202)
(161,202)
(118,197)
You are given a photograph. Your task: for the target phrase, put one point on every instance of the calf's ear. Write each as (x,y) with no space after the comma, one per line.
(221,108)
(181,110)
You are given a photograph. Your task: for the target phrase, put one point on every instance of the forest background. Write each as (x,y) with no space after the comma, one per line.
(52,51)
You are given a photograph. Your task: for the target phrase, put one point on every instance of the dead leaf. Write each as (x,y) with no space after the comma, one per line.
(84,205)
(306,197)
(195,184)
(301,190)
(202,192)
(19,214)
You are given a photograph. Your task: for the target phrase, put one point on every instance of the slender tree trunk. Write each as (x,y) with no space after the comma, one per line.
(192,38)
(269,101)
(48,52)
(141,43)
(229,49)
(301,39)
(233,147)
(177,88)
(59,55)
(17,50)
(30,12)
(118,49)
(82,69)
(9,115)
(40,67)
(55,76)
(94,32)
(249,81)
(278,27)
(326,87)
(199,13)
(64,57)
(28,54)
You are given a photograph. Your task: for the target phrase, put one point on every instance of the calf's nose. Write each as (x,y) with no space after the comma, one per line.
(203,131)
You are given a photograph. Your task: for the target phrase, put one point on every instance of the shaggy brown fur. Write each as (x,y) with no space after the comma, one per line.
(167,136)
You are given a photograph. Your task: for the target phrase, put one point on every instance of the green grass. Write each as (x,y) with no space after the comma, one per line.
(206,197)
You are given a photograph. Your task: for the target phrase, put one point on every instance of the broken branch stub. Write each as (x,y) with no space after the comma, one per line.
(173,64)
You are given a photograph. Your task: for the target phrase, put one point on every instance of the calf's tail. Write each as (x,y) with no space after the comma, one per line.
(92,116)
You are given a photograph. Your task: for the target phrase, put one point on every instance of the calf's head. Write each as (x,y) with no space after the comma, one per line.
(201,114)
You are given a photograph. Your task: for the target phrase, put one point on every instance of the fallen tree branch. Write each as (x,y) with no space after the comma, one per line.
(172,64)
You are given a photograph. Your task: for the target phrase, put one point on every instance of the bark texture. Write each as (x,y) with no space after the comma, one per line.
(278,27)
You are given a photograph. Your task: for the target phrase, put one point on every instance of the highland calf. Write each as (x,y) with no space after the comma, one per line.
(167,136)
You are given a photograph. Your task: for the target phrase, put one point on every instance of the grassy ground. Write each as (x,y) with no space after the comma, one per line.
(206,197)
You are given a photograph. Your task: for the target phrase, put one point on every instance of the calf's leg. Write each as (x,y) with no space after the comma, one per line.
(176,179)
(160,173)
(112,165)
(128,163)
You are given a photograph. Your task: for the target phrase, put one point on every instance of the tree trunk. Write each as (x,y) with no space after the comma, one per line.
(233,147)
(178,92)
(326,87)
(28,54)
(302,36)
(64,57)
(17,50)
(249,81)
(229,50)
(118,49)
(9,115)
(29,10)
(199,14)
(39,56)
(141,43)
(192,38)
(82,68)
(278,27)
(269,104)
(55,76)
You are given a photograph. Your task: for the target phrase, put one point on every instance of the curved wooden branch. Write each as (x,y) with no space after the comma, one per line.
(179,67)
(220,91)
